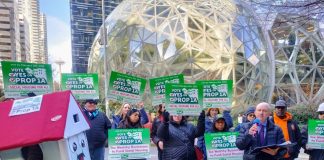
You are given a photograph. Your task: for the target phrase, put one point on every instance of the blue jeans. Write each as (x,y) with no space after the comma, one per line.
(97,153)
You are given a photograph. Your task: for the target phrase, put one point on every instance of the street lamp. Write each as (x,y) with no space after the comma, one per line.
(104,40)
(60,62)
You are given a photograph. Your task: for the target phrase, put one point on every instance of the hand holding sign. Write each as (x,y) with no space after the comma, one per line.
(166,116)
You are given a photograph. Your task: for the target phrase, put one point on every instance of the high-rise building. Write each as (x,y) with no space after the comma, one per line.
(9,31)
(86,20)
(24,30)
(43,38)
(24,38)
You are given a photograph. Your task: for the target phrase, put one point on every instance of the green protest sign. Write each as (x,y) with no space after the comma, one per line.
(182,99)
(315,134)
(129,143)
(126,88)
(82,85)
(157,86)
(216,93)
(21,78)
(221,146)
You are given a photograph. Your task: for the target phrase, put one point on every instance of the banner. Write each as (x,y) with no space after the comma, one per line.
(129,143)
(21,78)
(221,146)
(216,93)
(82,85)
(126,88)
(315,134)
(182,99)
(157,86)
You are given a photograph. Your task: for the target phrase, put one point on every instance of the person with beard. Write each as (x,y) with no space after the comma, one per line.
(289,127)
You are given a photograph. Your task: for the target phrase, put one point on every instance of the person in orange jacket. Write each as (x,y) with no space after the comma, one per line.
(289,127)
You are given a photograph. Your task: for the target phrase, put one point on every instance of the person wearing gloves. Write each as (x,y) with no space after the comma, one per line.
(289,127)
(314,154)
(260,134)
(98,132)
(211,114)
(249,116)
(121,114)
(178,136)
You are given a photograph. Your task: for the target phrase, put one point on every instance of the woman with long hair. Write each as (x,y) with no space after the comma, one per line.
(120,115)
(131,120)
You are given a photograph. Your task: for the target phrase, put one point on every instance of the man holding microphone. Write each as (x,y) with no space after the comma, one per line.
(258,133)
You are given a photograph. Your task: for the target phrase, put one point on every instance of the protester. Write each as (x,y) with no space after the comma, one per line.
(178,137)
(98,132)
(121,114)
(248,116)
(219,124)
(314,154)
(32,152)
(289,127)
(156,123)
(132,120)
(211,113)
(265,133)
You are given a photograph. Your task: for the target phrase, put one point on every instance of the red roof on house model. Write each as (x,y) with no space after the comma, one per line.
(47,124)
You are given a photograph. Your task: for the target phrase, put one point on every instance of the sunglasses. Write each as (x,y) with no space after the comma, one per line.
(251,115)
(93,102)
(320,113)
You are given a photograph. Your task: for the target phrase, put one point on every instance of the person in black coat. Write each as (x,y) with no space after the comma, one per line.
(178,137)
(314,154)
(155,125)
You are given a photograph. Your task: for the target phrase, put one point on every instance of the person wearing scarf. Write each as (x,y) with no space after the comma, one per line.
(98,132)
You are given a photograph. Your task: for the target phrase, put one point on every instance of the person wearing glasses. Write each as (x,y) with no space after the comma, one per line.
(289,128)
(314,154)
(249,116)
(98,132)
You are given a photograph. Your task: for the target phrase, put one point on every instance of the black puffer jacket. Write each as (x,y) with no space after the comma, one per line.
(179,139)
(314,154)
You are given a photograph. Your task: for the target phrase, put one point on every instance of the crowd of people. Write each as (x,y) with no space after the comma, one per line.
(175,137)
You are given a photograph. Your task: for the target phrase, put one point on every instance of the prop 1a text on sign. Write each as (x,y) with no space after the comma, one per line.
(21,78)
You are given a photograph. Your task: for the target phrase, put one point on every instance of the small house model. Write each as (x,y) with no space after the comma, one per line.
(54,121)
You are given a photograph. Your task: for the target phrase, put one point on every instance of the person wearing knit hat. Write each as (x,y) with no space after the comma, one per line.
(210,115)
(219,124)
(314,154)
(249,116)
(289,127)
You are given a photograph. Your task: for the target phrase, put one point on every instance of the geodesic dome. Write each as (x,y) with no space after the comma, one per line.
(208,40)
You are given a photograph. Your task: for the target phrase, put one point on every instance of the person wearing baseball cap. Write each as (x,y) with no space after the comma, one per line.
(289,128)
(98,132)
(314,154)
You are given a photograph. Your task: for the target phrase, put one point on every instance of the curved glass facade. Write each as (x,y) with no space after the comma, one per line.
(203,40)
